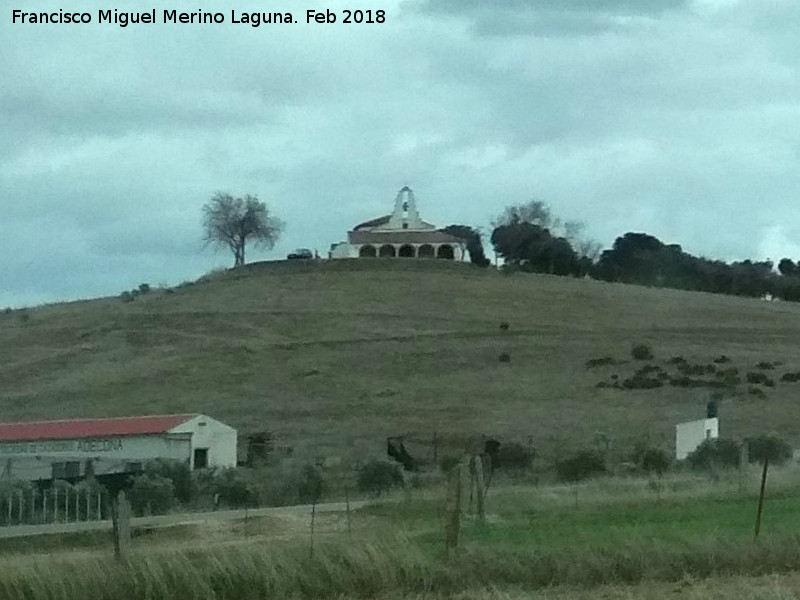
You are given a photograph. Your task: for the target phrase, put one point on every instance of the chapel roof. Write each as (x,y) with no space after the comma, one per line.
(377,222)
(402,237)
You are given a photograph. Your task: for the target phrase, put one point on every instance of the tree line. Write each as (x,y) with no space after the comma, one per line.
(529,237)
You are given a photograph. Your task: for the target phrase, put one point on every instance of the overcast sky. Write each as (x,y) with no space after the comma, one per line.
(676,118)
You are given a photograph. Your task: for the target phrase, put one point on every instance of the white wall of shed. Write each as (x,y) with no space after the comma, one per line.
(218,438)
(689,435)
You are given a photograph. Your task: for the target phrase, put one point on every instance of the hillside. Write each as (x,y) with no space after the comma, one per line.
(335,356)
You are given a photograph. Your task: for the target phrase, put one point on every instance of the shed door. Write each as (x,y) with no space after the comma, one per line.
(200,458)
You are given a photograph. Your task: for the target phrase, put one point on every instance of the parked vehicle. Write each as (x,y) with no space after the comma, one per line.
(300,253)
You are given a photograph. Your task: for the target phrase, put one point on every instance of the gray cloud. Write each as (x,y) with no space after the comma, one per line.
(680,119)
(550,17)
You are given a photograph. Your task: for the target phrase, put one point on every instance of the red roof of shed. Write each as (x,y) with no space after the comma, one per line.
(89,428)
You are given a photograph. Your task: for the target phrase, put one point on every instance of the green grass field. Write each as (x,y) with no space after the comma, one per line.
(334,356)
(621,539)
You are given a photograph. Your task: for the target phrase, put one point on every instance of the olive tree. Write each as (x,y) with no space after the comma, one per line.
(233,222)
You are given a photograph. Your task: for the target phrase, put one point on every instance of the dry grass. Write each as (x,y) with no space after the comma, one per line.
(336,356)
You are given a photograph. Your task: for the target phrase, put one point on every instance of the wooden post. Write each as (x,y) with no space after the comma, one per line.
(347,505)
(313,515)
(44,505)
(435,448)
(121,523)
(761,496)
(55,505)
(479,493)
(744,459)
(453,510)
(21,507)
(471,463)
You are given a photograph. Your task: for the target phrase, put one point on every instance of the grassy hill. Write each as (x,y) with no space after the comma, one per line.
(335,356)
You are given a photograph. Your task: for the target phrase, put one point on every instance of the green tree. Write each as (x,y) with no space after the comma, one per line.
(378,476)
(472,237)
(233,222)
(768,446)
(715,453)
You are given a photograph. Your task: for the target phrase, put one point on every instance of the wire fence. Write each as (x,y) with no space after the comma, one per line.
(53,505)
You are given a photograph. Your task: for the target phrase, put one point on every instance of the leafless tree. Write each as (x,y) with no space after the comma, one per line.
(233,222)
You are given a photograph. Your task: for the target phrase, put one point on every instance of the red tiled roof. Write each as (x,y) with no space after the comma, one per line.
(373,223)
(89,428)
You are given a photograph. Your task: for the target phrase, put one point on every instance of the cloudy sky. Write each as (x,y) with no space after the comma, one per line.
(680,118)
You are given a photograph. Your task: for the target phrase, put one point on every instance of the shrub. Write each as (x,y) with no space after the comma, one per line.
(722,359)
(378,476)
(655,460)
(259,446)
(768,446)
(504,325)
(642,352)
(178,472)
(504,357)
(144,288)
(514,456)
(765,365)
(754,377)
(311,485)
(641,382)
(757,392)
(676,360)
(126,296)
(448,462)
(234,488)
(791,377)
(24,316)
(151,494)
(600,362)
(580,466)
(689,369)
(713,453)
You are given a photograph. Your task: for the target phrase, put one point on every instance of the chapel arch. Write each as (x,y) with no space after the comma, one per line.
(426,251)
(445,251)
(406,251)
(367,251)
(386,251)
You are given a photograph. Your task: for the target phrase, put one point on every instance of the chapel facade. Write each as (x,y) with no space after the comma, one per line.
(400,234)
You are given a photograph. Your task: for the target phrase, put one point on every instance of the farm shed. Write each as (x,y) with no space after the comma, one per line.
(689,435)
(72,449)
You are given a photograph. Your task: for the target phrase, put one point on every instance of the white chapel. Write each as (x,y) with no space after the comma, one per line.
(401,234)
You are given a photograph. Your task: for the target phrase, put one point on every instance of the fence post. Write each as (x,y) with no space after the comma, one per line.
(479,493)
(99,507)
(761,496)
(21,507)
(453,510)
(313,515)
(121,523)
(55,505)
(44,505)
(347,504)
